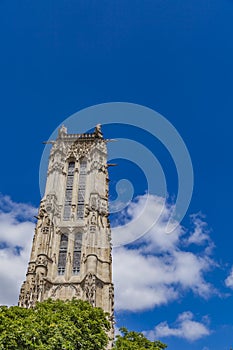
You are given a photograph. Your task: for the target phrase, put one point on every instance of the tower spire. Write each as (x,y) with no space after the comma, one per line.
(71,250)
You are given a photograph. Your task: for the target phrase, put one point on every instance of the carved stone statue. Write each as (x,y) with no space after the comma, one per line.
(98,131)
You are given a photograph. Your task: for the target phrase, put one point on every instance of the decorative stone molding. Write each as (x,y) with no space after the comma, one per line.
(63,266)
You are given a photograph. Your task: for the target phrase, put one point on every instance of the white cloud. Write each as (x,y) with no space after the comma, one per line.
(200,233)
(229,279)
(19,210)
(184,327)
(159,268)
(156,271)
(16,231)
(141,282)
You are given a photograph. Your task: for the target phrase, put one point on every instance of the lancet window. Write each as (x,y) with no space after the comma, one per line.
(62,254)
(81,189)
(69,190)
(77,253)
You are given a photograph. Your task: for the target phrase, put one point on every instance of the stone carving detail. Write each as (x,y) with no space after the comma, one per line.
(54,259)
(111,296)
(93,221)
(53,293)
(94,165)
(32,291)
(39,287)
(90,288)
(103,207)
(78,293)
(51,205)
(92,229)
(55,290)
(22,295)
(98,132)
(62,131)
(43,222)
(97,213)
(31,267)
(72,152)
(56,166)
(42,260)
(79,268)
(93,218)
(99,284)
(98,164)
(79,150)
(94,202)
(99,204)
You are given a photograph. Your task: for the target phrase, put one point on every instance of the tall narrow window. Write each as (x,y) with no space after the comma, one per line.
(77,253)
(62,254)
(81,189)
(69,188)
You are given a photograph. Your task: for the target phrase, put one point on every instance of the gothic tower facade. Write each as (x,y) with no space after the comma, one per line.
(71,249)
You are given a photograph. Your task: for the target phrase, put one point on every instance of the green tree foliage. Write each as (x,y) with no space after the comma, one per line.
(53,325)
(135,341)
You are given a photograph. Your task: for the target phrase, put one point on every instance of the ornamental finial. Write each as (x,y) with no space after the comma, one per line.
(62,131)
(98,131)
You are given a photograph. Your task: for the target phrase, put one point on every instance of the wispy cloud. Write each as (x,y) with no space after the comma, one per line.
(184,327)
(159,267)
(22,211)
(229,279)
(200,234)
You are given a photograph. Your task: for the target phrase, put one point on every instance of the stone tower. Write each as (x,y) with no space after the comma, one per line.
(71,250)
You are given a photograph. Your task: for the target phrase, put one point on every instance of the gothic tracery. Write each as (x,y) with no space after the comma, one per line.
(71,251)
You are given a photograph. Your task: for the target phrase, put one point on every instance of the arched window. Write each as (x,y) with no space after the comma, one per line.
(62,254)
(81,189)
(77,253)
(69,190)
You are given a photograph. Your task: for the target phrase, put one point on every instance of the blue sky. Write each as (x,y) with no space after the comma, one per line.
(175,57)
